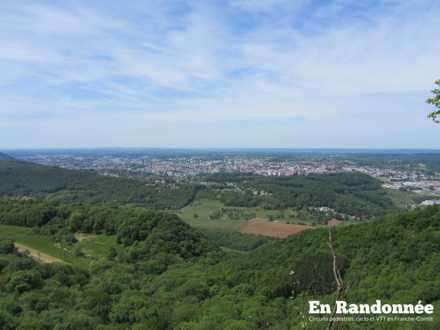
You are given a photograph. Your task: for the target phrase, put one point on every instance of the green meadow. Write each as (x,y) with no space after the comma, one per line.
(208,214)
(81,253)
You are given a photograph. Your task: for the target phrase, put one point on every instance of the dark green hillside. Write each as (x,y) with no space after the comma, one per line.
(352,193)
(31,180)
(395,259)
(143,232)
(372,250)
(164,275)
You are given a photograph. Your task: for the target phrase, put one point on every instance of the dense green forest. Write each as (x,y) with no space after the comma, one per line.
(165,275)
(31,180)
(130,225)
(352,193)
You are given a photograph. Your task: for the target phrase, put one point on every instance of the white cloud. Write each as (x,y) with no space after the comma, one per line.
(264,5)
(204,64)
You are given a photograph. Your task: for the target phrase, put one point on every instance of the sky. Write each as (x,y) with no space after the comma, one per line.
(225,73)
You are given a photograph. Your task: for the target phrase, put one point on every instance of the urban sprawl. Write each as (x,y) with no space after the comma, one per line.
(180,167)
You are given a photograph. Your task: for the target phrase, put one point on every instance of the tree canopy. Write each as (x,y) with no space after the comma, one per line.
(435,101)
(163,275)
(20,179)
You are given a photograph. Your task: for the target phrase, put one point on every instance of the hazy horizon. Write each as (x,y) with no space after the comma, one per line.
(226,149)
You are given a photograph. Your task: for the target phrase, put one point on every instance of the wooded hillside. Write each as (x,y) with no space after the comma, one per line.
(32,180)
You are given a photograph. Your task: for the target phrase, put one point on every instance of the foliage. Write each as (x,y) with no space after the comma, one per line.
(351,193)
(395,259)
(235,240)
(232,214)
(6,246)
(314,273)
(147,232)
(24,179)
(435,101)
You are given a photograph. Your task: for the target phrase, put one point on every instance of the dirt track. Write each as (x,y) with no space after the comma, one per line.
(36,255)
(272,229)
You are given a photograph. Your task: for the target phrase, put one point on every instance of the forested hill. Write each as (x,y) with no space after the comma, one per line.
(395,259)
(146,232)
(351,193)
(19,178)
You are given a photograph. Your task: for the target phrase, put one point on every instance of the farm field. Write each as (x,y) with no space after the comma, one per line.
(214,215)
(224,229)
(408,199)
(272,229)
(88,248)
(224,225)
(197,215)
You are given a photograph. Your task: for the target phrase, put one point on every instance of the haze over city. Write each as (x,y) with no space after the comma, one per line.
(237,73)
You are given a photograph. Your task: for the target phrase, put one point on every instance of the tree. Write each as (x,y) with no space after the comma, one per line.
(24,280)
(6,246)
(435,101)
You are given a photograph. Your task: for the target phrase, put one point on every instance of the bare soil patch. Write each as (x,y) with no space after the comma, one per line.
(271,229)
(36,255)
(334,222)
(81,236)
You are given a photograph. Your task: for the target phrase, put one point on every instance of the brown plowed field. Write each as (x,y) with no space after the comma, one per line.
(272,229)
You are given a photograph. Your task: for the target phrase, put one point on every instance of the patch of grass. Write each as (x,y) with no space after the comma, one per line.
(92,248)
(7,257)
(225,231)
(36,254)
(408,199)
(198,215)
(96,246)
(235,240)
(402,199)
(81,236)
(43,243)
(233,251)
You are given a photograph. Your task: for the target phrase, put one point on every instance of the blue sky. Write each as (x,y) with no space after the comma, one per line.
(230,73)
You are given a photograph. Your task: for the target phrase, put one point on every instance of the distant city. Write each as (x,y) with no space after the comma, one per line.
(396,170)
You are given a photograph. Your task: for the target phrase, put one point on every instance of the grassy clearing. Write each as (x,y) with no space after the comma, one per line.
(199,215)
(233,251)
(224,229)
(95,246)
(402,199)
(81,253)
(408,199)
(36,254)
(42,243)
(81,236)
